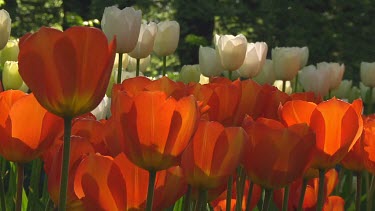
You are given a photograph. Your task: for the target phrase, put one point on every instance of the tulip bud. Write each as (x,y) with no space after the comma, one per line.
(364,92)
(209,62)
(167,38)
(288,60)
(232,51)
(368,73)
(5,26)
(10,52)
(255,58)
(313,80)
(11,77)
(354,94)
(190,73)
(145,41)
(336,72)
(343,90)
(267,74)
(143,64)
(125,24)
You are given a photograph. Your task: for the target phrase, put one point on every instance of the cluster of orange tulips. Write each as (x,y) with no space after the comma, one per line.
(217,144)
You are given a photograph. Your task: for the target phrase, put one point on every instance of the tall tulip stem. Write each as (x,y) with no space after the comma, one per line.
(302,196)
(229,193)
(20,176)
(249,196)
(164,65)
(2,193)
(65,163)
(370,193)
(240,187)
(202,200)
(267,199)
(358,191)
(319,205)
(137,70)
(187,199)
(119,70)
(286,198)
(150,189)
(230,75)
(284,86)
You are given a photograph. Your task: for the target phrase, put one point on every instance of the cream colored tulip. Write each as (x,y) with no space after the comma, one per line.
(10,52)
(209,62)
(5,27)
(368,73)
(267,74)
(343,90)
(11,77)
(190,73)
(167,37)
(143,64)
(288,61)
(232,51)
(288,87)
(145,42)
(313,80)
(255,58)
(125,24)
(336,72)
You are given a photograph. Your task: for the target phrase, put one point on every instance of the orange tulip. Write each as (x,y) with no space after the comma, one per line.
(155,128)
(213,155)
(67,71)
(26,128)
(368,143)
(277,155)
(337,124)
(100,190)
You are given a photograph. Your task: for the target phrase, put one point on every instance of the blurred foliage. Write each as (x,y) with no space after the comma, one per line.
(334,30)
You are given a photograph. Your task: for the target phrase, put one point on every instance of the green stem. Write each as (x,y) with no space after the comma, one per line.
(284,86)
(358,192)
(187,199)
(202,200)
(65,163)
(230,75)
(240,186)
(286,198)
(150,189)
(137,70)
(303,192)
(370,194)
(2,193)
(119,70)
(295,84)
(229,193)
(249,195)
(267,199)
(320,202)
(34,184)
(20,176)
(164,65)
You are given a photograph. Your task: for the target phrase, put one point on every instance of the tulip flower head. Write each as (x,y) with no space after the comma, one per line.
(209,62)
(314,80)
(232,51)
(125,24)
(67,74)
(288,60)
(145,42)
(5,27)
(9,52)
(336,72)
(255,58)
(167,37)
(12,78)
(368,74)
(190,73)
(267,74)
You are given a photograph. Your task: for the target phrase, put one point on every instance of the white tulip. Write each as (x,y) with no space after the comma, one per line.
(5,27)
(145,42)
(232,51)
(167,37)
(255,58)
